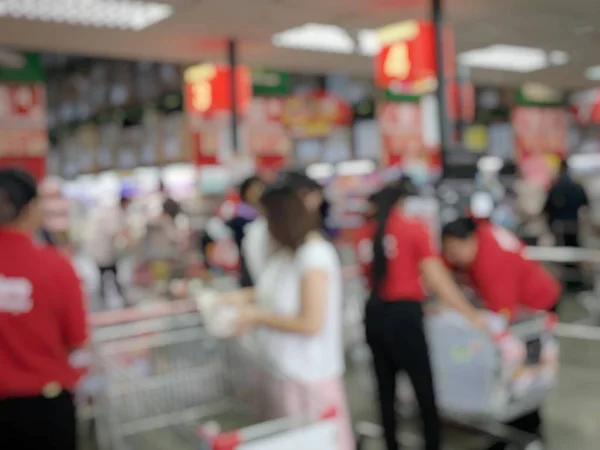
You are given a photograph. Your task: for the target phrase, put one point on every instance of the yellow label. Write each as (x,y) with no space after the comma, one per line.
(201,96)
(397,62)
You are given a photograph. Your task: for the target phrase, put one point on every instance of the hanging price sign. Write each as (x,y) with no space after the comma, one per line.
(408,53)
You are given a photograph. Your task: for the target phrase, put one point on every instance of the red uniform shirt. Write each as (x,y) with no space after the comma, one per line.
(407,243)
(42,316)
(504,278)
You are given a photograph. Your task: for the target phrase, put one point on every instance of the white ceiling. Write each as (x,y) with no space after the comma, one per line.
(198,30)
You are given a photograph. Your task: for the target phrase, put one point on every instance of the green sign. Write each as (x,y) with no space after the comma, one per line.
(268,82)
(400,97)
(21,67)
(536,94)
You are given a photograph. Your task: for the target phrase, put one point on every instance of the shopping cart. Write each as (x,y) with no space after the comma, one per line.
(480,378)
(495,378)
(183,389)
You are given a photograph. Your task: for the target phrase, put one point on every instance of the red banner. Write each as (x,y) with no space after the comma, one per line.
(412,58)
(23,133)
(402,136)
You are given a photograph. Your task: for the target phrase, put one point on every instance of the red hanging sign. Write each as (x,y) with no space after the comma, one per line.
(207,93)
(412,57)
(208,89)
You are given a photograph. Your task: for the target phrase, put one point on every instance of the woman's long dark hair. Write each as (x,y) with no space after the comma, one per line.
(385,201)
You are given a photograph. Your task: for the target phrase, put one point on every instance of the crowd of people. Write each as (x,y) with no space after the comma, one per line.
(290,298)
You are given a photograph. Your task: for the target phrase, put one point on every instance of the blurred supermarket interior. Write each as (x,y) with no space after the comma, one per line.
(184,99)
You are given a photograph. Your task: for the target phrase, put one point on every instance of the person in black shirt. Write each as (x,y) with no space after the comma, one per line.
(566,205)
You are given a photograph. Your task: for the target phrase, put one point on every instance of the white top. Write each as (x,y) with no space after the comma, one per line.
(256,246)
(302,357)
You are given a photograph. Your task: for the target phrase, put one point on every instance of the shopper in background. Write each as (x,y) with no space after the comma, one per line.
(565,208)
(395,252)
(257,245)
(504,279)
(246,212)
(108,235)
(297,305)
(42,320)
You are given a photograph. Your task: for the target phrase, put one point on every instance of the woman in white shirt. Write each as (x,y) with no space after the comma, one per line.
(296,306)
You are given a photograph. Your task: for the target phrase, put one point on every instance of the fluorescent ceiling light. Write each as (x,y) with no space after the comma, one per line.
(368,42)
(316,37)
(124,14)
(593,73)
(513,58)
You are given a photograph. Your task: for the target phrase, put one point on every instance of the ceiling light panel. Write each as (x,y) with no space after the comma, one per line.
(316,37)
(593,73)
(117,14)
(513,58)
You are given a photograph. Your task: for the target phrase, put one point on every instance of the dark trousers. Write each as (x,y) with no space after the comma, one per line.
(104,270)
(38,422)
(396,336)
(530,423)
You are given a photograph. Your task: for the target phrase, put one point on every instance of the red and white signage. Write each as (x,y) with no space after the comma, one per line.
(269,140)
(208,89)
(207,93)
(403,136)
(586,107)
(23,129)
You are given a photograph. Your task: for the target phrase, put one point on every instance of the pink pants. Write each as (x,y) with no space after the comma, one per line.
(319,397)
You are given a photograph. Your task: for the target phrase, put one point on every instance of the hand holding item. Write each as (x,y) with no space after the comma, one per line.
(220,318)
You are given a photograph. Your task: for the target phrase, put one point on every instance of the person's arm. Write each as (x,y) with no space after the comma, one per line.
(439,278)
(239,297)
(72,305)
(440,281)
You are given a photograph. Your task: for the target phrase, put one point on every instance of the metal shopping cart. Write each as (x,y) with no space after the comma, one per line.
(492,378)
(182,389)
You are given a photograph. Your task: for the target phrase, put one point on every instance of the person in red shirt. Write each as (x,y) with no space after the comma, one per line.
(495,262)
(493,259)
(397,257)
(42,320)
